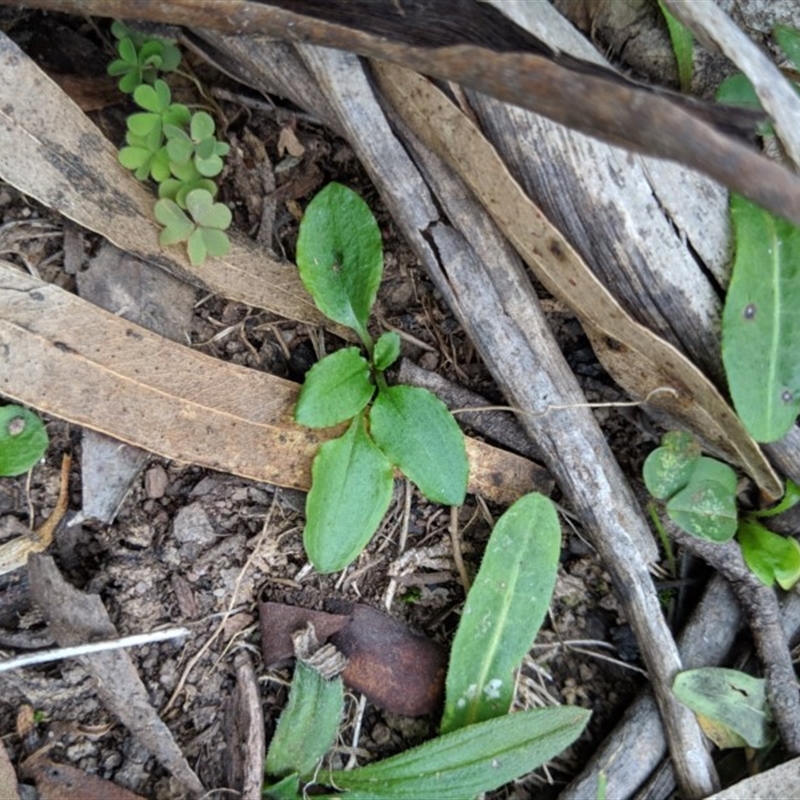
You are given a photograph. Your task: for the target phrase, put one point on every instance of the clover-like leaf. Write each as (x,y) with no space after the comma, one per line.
(335,389)
(23,440)
(202,126)
(206,212)
(143,123)
(706,507)
(177,225)
(418,434)
(668,468)
(351,488)
(176,189)
(155,98)
(340,256)
(216,242)
(387,350)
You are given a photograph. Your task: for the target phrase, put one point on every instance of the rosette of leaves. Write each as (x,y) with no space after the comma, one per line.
(340,259)
(146,153)
(700,495)
(198,147)
(141,58)
(202,228)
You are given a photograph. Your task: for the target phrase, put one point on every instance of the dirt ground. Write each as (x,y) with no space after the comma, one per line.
(191,547)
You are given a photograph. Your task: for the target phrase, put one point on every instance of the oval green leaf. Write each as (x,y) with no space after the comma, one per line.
(216,242)
(307,728)
(351,488)
(770,556)
(668,468)
(503,612)
(387,350)
(418,434)
(732,698)
(335,389)
(340,256)
(202,126)
(471,760)
(761,322)
(23,440)
(173,218)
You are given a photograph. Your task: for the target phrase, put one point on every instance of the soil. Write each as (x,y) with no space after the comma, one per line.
(188,545)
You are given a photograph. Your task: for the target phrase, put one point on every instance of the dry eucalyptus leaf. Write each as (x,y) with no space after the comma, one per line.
(73,360)
(641,362)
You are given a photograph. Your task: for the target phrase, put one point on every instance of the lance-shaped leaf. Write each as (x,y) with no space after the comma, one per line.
(471,760)
(23,440)
(761,322)
(351,487)
(418,434)
(307,727)
(336,388)
(340,256)
(503,612)
(731,698)
(387,350)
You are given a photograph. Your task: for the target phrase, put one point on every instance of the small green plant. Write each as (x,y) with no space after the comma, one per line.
(178,149)
(481,745)
(23,440)
(700,496)
(340,259)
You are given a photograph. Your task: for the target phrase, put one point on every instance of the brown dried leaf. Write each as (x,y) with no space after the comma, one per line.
(71,359)
(50,150)
(64,782)
(396,669)
(641,362)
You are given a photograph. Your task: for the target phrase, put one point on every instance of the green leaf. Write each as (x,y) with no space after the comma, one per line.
(206,212)
(682,44)
(308,726)
(387,350)
(153,98)
(761,322)
(418,434)
(789,41)
(669,467)
(216,242)
(174,219)
(471,760)
(335,389)
(196,247)
(706,507)
(503,612)
(143,123)
(770,556)
(730,697)
(210,166)
(351,488)
(159,166)
(202,126)
(340,256)
(134,157)
(287,789)
(23,440)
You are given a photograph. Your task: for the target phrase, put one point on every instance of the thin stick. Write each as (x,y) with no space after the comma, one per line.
(60,653)
(462,570)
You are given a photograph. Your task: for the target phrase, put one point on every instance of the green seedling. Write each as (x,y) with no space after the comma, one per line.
(23,440)
(203,228)
(700,495)
(682,45)
(340,259)
(198,147)
(140,58)
(731,705)
(481,746)
(177,149)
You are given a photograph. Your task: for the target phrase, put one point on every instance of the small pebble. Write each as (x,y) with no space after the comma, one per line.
(156,481)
